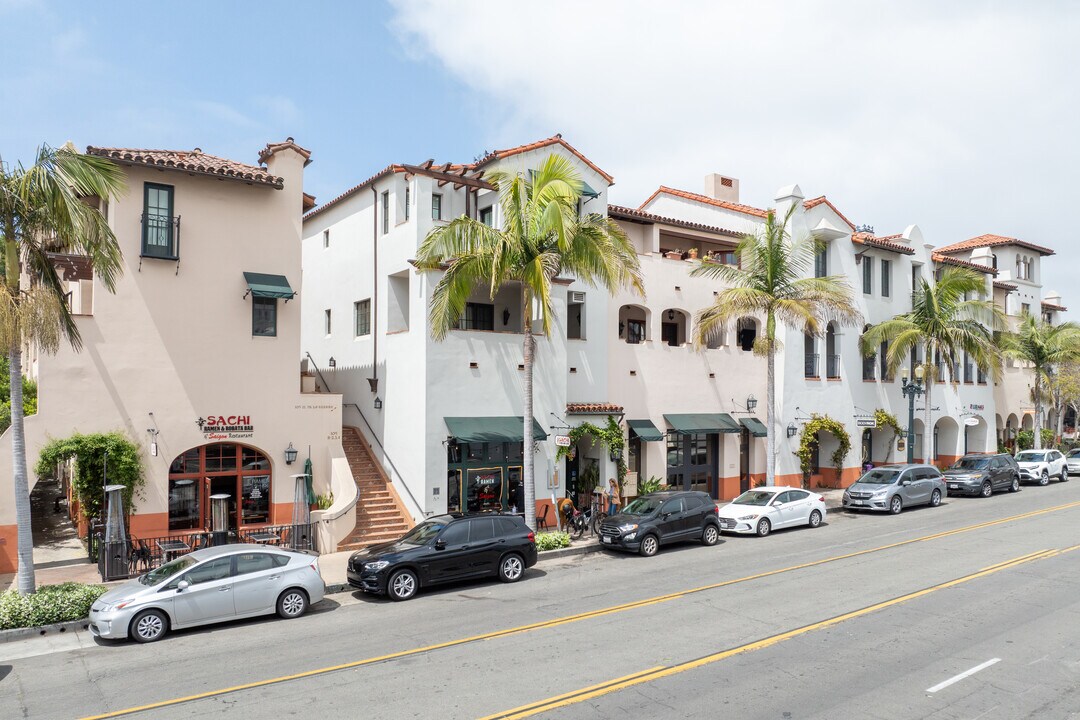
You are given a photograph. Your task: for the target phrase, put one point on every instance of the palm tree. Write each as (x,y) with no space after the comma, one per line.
(42,210)
(946,324)
(542,236)
(1044,347)
(769,281)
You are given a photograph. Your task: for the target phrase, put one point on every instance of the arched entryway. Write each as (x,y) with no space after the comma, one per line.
(975,435)
(947,441)
(241,472)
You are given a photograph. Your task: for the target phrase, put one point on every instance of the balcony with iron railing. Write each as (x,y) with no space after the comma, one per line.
(969,373)
(832,367)
(810,369)
(160,236)
(869,366)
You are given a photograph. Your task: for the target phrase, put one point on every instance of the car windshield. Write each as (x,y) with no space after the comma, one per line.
(754,497)
(1031,456)
(1074,453)
(971,463)
(642,506)
(879,476)
(423,533)
(167,570)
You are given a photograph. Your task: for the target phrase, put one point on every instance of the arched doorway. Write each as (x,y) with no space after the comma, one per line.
(241,472)
(947,441)
(867,448)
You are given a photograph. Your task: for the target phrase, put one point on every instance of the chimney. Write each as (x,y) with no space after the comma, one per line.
(1053,297)
(720,187)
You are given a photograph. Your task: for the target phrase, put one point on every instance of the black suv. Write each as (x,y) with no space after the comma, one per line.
(446,548)
(982,474)
(660,519)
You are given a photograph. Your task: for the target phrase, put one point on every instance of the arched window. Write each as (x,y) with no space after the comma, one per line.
(832,354)
(240,472)
(810,358)
(674,326)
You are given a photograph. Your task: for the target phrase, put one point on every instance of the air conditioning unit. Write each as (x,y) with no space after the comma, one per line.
(577,297)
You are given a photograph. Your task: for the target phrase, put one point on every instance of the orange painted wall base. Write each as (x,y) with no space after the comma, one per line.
(9,548)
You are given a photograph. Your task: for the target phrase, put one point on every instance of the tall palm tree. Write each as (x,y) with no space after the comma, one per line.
(42,210)
(1044,347)
(769,281)
(946,325)
(542,236)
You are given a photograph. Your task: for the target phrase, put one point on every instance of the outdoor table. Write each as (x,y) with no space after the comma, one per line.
(170,547)
(263,537)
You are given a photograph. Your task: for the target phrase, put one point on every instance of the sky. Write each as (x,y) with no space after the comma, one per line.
(960,117)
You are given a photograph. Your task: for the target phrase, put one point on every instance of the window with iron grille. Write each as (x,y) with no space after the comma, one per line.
(362,317)
(477,316)
(158,223)
(264,317)
(867,276)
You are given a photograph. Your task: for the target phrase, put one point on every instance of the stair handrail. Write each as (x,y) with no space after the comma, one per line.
(318,371)
(386,455)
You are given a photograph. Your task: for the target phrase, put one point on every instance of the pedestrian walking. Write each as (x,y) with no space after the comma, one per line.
(614,498)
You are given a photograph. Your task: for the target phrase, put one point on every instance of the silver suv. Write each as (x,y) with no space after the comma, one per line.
(891,488)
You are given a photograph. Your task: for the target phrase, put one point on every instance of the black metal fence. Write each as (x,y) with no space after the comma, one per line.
(122,560)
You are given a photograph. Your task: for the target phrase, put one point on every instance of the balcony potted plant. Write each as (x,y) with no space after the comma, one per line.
(675,254)
(693,253)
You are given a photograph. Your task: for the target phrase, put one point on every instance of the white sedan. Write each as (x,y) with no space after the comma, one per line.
(762,510)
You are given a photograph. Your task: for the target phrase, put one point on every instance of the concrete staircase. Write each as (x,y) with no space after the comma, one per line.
(380,514)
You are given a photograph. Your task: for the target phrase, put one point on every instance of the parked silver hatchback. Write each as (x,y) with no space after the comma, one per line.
(891,488)
(208,586)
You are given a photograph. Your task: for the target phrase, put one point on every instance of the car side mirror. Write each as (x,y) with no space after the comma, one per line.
(777,504)
(665,516)
(905,483)
(440,544)
(182,586)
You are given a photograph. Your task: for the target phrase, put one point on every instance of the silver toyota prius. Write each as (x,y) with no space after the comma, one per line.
(208,586)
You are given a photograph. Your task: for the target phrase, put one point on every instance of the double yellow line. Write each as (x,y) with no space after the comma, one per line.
(594,691)
(563,620)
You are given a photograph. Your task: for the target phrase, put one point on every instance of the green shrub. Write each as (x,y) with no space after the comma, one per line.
(552,541)
(50,604)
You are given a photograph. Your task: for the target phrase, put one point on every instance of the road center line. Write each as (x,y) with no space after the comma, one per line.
(560,621)
(961,676)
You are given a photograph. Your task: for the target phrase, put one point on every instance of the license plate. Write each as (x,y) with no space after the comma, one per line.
(954,487)
(857,502)
(606,540)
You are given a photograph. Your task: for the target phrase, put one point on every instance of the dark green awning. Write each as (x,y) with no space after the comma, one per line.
(696,423)
(506,428)
(587,191)
(645,430)
(268,286)
(755,426)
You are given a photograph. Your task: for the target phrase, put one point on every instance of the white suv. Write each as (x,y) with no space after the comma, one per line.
(1073,460)
(1041,465)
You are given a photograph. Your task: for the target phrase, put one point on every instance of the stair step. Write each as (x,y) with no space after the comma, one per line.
(378,516)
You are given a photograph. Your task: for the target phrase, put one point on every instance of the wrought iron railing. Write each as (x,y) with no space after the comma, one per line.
(832,367)
(161,236)
(981,376)
(810,368)
(869,364)
(969,372)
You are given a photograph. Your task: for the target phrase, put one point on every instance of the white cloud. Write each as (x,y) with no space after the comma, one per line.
(956,116)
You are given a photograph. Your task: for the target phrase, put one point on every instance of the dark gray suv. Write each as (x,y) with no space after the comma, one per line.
(660,519)
(982,474)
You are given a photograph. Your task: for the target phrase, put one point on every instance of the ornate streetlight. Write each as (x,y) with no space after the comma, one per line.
(910,389)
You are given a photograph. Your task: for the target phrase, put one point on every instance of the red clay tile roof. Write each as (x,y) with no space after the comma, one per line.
(948,260)
(991,241)
(1053,306)
(885,242)
(272,148)
(556,139)
(190,161)
(592,408)
(736,207)
(618,211)
(813,203)
(1005,285)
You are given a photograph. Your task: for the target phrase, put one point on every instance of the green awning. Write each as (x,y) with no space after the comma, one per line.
(702,423)
(506,428)
(755,426)
(587,191)
(645,430)
(268,286)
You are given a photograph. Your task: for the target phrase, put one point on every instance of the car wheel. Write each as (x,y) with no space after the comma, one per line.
(935,498)
(764,527)
(649,545)
(896,505)
(1044,479)
(815,519)
(402,585)
(292,603)
(1064,475)
(1015,486)
(148,626)
(710,535)
(511,568)
(987,489)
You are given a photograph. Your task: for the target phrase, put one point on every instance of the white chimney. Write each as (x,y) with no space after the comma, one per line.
(1053,297)
(721,187)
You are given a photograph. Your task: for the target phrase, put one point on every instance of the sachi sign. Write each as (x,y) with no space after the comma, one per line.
(226,427)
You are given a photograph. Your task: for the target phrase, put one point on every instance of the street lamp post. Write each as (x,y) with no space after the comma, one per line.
(910,389)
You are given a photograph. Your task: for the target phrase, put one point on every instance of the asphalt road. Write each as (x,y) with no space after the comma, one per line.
(969,610)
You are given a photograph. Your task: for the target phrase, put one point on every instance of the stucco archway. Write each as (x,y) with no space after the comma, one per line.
(947,446)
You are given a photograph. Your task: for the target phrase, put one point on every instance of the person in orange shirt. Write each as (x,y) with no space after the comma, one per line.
(614,497)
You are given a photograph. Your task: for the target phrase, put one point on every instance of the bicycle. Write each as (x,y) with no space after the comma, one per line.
(590,518)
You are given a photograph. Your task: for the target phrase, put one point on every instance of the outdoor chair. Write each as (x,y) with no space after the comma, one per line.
(542,519)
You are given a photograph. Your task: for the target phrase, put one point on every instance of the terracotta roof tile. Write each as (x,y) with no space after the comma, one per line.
(885,242)
(592,408)
(991,241)
(547,142)
(272,148)
(948,260)
(190,161)
(813,203)
(736,207)
(1053,306)
(1005,285)
(618,211)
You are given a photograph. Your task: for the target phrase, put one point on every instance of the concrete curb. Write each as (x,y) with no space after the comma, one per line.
(54,629)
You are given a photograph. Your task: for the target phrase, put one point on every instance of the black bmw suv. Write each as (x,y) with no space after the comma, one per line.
(446,548)
(660,519)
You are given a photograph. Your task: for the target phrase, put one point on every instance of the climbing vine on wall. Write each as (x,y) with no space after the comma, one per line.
(808,442)
(888,420)
(91,453)
(609,436)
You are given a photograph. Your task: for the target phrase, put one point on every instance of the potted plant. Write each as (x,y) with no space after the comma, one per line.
(675,254)
(693,253)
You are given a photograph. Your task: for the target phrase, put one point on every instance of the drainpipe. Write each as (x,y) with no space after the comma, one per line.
(373,381)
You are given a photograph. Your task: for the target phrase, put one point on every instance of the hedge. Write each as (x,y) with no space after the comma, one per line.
(552,541)
(50,604)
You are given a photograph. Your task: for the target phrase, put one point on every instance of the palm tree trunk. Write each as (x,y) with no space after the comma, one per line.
(770,420)
(1037,440)
(528,469)
(25,581)
(1059,407)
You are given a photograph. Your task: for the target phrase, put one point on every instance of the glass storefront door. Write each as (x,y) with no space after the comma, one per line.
(240,472)
(484,477)
(693,462)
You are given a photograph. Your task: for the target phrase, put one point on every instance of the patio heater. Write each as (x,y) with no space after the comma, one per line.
(116,547)
(301,515)
(219,518)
